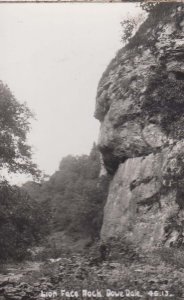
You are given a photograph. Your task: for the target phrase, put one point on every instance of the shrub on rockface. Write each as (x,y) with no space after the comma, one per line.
(164,100)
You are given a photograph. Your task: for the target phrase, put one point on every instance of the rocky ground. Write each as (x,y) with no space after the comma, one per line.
(126,276)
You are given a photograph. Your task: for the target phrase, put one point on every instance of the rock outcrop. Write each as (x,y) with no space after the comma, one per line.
(140,104)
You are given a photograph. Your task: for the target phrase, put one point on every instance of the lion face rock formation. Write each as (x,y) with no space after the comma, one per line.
(140,104)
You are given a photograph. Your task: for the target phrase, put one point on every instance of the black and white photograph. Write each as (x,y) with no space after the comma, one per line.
(91,150)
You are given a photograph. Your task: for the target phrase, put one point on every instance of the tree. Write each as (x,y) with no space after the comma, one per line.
(130,25)
(76,195)
(21,219)
(15,153)
(80,196)
(148,7)
(22,222)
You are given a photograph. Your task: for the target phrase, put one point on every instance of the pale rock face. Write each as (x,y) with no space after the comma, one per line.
(153,136)
(140,104)
(136,205)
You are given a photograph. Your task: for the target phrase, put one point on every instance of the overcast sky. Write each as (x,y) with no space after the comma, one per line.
(52,56)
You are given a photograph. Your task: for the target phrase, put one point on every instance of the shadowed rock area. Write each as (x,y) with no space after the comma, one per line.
(140,104)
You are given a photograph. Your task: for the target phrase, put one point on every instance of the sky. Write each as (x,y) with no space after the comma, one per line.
(52,57)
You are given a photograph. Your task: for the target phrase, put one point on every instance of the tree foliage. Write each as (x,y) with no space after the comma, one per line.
(79,194)
(22,222)
(131,24)
(20,217)
(76,195)
(15,153)
(128,26)
(149,6)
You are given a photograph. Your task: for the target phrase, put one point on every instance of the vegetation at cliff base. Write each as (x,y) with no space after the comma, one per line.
(20,225)
(75,194)
(71,201)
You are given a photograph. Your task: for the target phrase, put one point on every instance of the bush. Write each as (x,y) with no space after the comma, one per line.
(22,223)
(77,195)
(165,98)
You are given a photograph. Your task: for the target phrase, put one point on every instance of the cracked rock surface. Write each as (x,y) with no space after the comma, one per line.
(140,104)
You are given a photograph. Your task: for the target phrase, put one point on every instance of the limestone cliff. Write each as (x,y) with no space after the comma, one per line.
(140,104)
